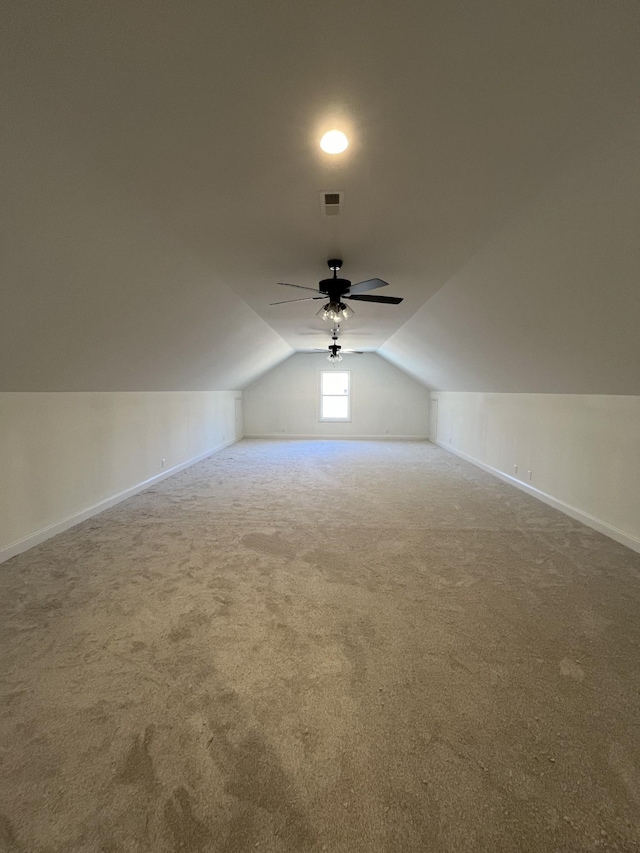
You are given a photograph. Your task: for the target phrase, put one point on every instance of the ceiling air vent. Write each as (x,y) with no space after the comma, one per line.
(331,203)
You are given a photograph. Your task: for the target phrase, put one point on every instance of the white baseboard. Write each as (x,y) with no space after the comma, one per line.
(578,514)
(311,437)
(45,533)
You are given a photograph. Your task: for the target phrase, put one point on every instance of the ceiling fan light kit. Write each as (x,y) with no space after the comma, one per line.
(334,350)
(337,312)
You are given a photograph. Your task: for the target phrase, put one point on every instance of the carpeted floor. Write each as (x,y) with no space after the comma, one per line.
(322,646)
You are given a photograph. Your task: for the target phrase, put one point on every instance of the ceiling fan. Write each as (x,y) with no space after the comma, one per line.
(335,351)
(338,289)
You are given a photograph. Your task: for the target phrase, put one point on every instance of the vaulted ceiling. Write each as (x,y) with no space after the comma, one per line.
(162,173)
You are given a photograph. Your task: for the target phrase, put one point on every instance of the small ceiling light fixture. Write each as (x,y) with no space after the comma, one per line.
(334,142)
(334,358)
(337,312)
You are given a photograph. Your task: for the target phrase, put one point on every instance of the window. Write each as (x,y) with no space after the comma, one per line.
(335,404)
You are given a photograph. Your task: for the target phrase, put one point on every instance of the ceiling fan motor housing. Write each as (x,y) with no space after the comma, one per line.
(338,289)
(334,286)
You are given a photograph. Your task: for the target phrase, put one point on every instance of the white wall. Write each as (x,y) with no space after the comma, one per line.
(64,456)
(583,451)
(385,401)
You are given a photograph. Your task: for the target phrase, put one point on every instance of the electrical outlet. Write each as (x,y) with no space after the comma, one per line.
(515,469)
(164,462)
(530,473)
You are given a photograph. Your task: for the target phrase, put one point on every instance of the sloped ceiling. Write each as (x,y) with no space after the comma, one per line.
(163,173)
(101,295)
(552,302)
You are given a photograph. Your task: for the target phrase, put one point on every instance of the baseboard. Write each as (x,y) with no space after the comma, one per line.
(312,437)
(45,533)
(578,514)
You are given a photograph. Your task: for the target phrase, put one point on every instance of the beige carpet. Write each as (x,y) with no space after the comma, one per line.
(329,646)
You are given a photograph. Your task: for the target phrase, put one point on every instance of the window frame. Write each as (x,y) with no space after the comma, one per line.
(322,420)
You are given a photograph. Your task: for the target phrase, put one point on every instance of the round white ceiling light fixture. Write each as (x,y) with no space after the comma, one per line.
(334,142)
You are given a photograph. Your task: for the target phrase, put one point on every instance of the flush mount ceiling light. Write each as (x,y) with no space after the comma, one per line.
(334,142)
(337,312)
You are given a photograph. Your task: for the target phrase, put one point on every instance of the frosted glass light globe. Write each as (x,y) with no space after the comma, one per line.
(334,142)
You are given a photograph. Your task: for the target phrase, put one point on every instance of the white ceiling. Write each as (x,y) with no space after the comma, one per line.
(164,170)
(551,304)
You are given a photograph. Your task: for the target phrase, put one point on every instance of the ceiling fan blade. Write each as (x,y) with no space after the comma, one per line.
(304,299)
(300,286)
(326,351)
(389,300)
(369,284)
